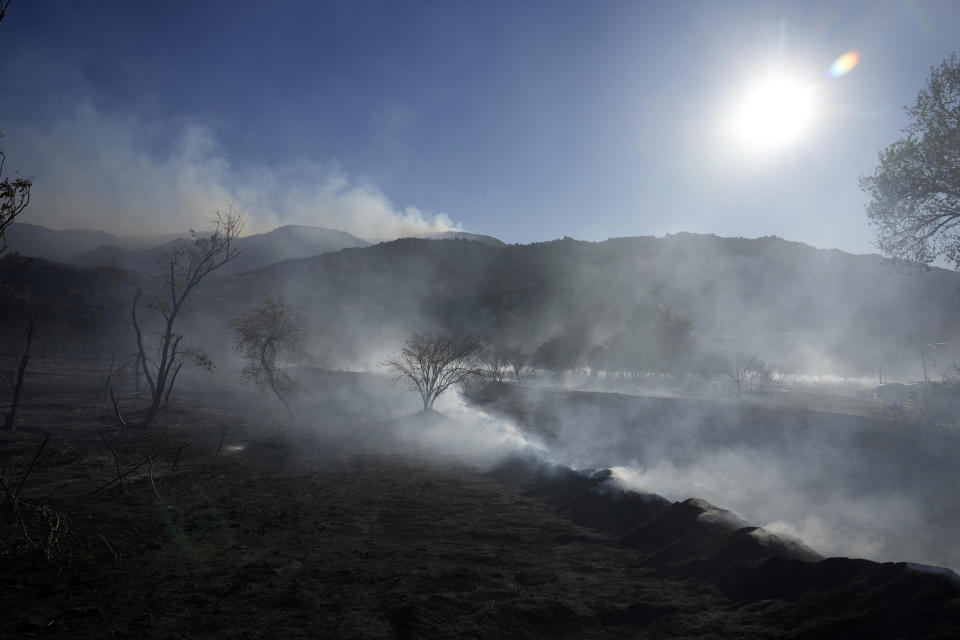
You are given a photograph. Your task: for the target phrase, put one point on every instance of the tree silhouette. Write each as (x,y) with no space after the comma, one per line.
(432,364)
(14,198)
(264,334)
(915,192)
(186,267)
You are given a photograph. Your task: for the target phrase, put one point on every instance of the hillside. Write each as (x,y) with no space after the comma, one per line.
(802,309)
(68,245)
(256,251)
(807,308)
(461,235)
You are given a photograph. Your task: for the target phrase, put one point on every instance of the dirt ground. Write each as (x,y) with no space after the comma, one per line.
(233,526)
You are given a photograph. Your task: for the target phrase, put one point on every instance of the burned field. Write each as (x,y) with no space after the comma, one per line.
(234,527)
(443,320)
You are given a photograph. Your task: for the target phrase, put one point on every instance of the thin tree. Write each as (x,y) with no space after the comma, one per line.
(262,336)
(186,267)
(520,364)
(495,363)
(16,382)
(915,192)
(745,369)
(21,312)
(430,365)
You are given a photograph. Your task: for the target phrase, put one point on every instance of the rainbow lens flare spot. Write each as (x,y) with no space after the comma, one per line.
(844,64)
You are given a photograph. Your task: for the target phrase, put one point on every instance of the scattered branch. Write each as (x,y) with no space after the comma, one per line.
(223,434)
(176,458)
(116,410)
(30,468)
(119,477)
(116,462)
(152,483)
(116,557)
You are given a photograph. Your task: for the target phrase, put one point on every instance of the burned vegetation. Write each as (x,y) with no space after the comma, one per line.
(338,503)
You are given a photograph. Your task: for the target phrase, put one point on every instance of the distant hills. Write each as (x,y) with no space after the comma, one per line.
(256,251)
(143,254)
(803,309)
(799,306)
(68,245)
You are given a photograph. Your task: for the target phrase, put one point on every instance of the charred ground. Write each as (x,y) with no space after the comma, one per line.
(311,534)
(355,524)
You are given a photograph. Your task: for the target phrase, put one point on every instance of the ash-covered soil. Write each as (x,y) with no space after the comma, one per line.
(337,529)
(845,480)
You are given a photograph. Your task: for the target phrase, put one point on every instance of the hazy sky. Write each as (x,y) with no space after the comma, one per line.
(524,120)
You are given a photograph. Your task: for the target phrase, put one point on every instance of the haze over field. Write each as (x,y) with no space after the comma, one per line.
(664,297)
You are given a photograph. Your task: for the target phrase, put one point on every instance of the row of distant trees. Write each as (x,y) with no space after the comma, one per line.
(652,342)
(430,365)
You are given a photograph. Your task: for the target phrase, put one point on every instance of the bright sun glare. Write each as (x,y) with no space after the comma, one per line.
(774,113)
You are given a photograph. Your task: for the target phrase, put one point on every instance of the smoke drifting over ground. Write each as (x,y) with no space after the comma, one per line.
(843,484)
(130,176)
(463,430)
(840,479)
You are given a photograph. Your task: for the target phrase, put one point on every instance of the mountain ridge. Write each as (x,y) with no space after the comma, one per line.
(769,295)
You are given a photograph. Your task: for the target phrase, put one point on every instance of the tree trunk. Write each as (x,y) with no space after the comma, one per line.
(276,391)
(166,400)
(106,385)
(11,417)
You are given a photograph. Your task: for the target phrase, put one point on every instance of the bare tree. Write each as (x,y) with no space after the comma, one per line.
(22,314)
(521,364)
(264,334)
(187,266)
(746,370)
(14,198)
(432,364)
(16,382)
(495,363)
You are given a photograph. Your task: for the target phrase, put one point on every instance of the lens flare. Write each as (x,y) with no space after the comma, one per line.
(844,64)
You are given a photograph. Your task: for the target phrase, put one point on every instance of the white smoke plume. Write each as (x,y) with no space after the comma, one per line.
(130,176)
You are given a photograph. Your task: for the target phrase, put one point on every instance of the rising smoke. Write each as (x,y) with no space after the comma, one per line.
(129,176)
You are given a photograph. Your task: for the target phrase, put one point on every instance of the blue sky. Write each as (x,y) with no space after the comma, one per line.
(524,120)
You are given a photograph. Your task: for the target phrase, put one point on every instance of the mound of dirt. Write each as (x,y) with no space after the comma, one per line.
(693,540)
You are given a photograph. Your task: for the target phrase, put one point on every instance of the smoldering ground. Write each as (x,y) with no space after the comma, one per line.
(374,413)
(844,484)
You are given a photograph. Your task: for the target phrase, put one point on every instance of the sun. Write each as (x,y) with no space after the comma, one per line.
(775,113)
